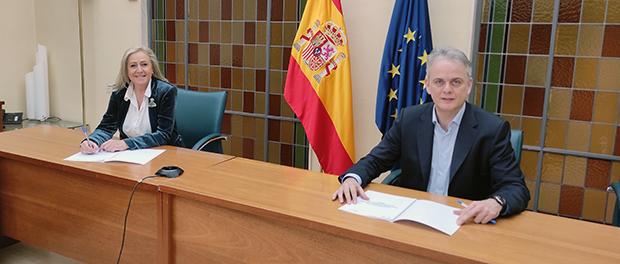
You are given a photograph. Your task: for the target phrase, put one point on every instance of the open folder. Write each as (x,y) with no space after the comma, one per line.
(394,208)
(139,156)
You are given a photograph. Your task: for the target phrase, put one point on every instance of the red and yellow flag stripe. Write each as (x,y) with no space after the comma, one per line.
(318,84)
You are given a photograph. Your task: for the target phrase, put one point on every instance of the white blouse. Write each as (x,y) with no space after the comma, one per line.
(137,122)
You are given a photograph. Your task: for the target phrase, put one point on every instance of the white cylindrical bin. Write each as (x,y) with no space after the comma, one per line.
(30,95)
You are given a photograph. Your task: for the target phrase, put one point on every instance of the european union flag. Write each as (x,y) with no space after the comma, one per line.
(403,68)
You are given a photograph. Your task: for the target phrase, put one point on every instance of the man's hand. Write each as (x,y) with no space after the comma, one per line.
(114,145)
(483,211)
(349,190)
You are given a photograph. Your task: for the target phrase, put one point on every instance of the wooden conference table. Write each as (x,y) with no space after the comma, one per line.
(77,209)
(227,210)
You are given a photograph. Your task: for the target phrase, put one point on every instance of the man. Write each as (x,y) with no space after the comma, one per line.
(449,147)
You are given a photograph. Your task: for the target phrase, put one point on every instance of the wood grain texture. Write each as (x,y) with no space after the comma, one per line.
(78,217)
(48,146)
(77,208)
(301,198)
(163,228)
(227,210)
(207,233)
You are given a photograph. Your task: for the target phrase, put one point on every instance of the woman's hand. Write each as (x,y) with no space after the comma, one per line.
(88,147)
(114,145)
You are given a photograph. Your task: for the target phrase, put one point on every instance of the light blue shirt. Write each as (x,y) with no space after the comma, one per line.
(443,148)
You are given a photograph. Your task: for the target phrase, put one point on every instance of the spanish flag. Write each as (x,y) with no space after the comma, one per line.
(318,84)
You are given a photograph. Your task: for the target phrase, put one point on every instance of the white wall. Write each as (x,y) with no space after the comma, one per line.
(110,28)
(56,27)
(24,24)
(452,23)
(17,50)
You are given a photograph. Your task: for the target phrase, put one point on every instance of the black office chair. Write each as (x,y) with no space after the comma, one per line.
(516,140)
(199,118)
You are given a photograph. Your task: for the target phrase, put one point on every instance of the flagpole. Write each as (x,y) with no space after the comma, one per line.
(267,80)
(474,59)
(82,61)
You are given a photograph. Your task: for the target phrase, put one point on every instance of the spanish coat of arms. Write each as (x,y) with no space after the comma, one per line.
(319,48)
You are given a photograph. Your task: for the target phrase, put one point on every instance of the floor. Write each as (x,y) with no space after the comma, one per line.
(21,253)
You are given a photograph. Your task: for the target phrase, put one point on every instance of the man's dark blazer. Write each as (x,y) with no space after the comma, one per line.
(161,116)
(483,162)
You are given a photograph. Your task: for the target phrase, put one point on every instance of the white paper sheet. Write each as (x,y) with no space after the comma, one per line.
(139,156)
(394,208)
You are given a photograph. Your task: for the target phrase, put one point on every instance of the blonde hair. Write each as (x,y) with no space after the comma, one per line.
(122,80)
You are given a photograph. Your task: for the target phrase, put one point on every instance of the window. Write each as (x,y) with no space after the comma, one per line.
(242,47)
(549,68)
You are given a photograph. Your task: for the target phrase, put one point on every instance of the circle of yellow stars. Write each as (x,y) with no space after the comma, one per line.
(395,70)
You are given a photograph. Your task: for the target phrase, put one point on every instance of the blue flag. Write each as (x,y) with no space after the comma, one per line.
(403,68)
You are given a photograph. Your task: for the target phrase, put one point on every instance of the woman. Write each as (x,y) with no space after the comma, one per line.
(141,108)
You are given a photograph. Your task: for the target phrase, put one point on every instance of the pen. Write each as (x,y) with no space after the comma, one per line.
(87,139)
(464,205)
